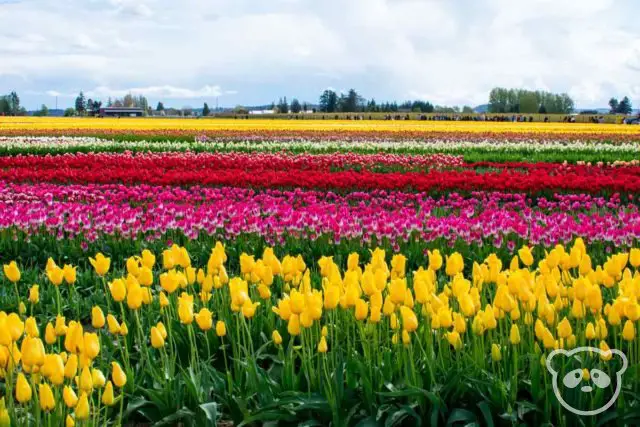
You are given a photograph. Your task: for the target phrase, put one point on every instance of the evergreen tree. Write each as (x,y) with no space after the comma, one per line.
(624,107)
(205,110)
(81,104)
(295,106)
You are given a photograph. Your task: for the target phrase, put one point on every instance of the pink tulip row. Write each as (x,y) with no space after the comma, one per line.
(90,211)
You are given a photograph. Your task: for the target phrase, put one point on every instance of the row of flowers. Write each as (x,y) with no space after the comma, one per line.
(204,143)
(260,132)
(256,162)
(271,171)
(406,327)
(93,211)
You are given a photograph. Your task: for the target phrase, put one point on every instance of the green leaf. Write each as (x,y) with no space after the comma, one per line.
(460,415)
(210,411)
(171,420)
(486,413)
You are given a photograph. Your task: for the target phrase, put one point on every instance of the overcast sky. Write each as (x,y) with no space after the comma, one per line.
(186,52)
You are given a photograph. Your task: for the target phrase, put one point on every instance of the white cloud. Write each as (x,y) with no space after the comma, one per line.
(446,52)
(165,91)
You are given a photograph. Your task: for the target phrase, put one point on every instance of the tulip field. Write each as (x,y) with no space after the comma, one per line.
(346,273)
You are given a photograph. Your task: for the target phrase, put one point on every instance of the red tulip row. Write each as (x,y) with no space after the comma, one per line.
(171,169)
(258,161)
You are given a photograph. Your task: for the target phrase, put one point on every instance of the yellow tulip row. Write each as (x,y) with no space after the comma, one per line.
(157,124)
(561,301)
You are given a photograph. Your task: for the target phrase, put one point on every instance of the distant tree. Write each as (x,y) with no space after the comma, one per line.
(239,109)
(187,111)
(467,110)
(42,112)
(589,112)
(118,103)
(4,106)
(329,101)
(542,109)
(305,107)
(613,104)
(109,102)
(283,106)
(205,110)
(295,106)
(69,112)
(14,103)
(160,106)
(81,104)
(624,107)
(127,101)
(351,102)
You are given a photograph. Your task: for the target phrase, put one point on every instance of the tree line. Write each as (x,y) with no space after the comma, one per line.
(502,100)
(10,105)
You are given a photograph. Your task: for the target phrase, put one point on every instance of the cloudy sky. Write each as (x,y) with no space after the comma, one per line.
(186,52)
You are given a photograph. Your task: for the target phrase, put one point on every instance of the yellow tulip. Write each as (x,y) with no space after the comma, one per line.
(293,327)
(118,290)
(82,409)
(31,327)
(61,327)
(221,328)
(55,275)
(34,294)
(97,377)
(362,309)
(629,331)
(454,340)
(134,296)
(145,277)
(124,330)
(69,421)
(86,381)
(97,317)
(157,341)
(69,274)
(45,397)
(525,256)
(514,335)
(12,272)
(162,329)
(409,319)
(55,369)
(108,398)
(564,328)
(164,301)
(50,336)
(496,354)
(114,326)
(91,345)
(276,337)
(118,375)
(71,367)
(322,345)
(23,389)
(249,308)
(148,258)
(634,257)
(435,260)
(590,331)
(100,264)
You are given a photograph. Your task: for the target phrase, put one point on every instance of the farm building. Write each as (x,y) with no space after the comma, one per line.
(120,112)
